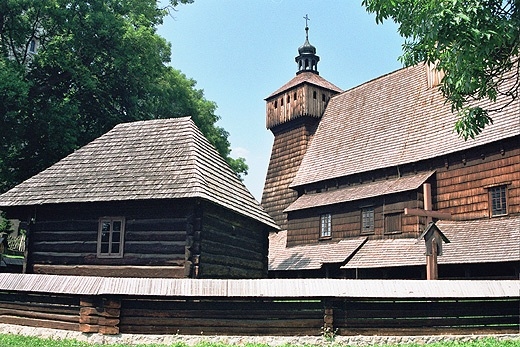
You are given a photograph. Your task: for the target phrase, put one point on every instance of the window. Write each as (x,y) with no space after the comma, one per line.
(314,95)
(367,220)
(498,200)
(393,223)
(110,237)
(325,225)
(32,46)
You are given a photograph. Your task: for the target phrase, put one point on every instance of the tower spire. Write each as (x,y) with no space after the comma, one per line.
(307,59)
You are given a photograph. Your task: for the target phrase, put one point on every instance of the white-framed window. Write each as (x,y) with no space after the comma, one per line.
(325,225)
(111,234)
(498,200)
(367,220)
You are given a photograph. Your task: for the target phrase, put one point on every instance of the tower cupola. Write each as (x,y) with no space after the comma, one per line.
(307,59)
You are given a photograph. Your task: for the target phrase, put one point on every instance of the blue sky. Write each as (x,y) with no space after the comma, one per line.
(240,51)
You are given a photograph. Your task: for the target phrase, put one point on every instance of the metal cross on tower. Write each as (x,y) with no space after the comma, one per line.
(306,20)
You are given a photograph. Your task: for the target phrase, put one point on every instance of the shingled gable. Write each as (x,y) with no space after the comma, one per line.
(155,159)
(412,123)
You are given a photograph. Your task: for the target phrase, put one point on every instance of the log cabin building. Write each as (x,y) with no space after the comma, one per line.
(147,199)
(352,172)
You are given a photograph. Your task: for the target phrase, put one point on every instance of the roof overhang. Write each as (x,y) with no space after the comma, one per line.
(360,191)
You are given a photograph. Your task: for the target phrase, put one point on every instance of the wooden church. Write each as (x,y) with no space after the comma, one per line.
(147,199)
(355,177)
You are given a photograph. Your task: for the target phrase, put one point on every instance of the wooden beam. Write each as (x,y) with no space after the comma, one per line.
(423,213)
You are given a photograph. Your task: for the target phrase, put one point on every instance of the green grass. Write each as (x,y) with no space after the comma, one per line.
(8,340)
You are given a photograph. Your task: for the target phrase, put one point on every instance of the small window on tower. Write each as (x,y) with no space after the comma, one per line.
(295,96)
(281,102)
(275,104)
(314,95)
(288,98)
(323,97)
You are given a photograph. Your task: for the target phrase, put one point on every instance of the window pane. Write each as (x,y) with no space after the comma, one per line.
(116,236)
(116,226)
(498,201)
(104,247)
(105,225)
(325,225)
(367,219)
(115,247)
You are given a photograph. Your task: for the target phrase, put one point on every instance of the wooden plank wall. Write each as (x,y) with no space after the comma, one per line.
(419,317)
(40,310)
(221,317)
(232,246)
(303,226)
(64,240)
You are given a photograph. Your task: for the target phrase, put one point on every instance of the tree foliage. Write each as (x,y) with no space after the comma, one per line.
(474,42)
(97,63)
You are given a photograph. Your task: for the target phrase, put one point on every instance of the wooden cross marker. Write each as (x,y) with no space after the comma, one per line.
(431,257)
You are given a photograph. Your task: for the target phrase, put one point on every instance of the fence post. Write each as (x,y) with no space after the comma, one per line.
(88,315)
(110,313)
(328,317)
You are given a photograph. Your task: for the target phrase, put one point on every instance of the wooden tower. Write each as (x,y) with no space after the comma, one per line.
(292,114)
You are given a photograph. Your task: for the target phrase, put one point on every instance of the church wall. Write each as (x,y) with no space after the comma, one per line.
(461,186)
(304,225)
(465,180)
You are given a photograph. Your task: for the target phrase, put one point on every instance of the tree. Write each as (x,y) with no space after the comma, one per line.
(98,63)
(474,42)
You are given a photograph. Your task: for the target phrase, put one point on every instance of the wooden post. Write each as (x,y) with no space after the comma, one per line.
(328,318)
(88,315)
(109,320)
(432,272)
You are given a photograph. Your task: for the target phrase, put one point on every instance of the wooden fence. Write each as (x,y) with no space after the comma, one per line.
(126,308)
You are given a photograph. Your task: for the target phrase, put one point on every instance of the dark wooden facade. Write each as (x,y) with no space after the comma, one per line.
(162,238)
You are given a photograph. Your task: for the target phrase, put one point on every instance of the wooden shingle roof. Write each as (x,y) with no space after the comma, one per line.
(360,191)
(306,77)
(308,257)
(155,159)
(392,120)
(472,241)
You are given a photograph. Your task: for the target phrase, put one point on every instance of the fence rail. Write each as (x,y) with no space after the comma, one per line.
(301,311)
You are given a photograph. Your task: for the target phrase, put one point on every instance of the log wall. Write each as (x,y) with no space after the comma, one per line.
(231,246)
(40,310)
(260,316)
(63,240)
